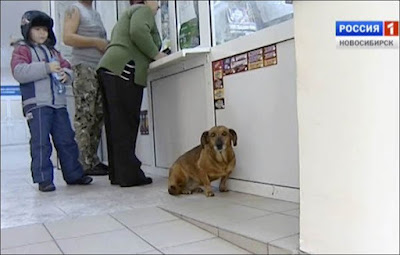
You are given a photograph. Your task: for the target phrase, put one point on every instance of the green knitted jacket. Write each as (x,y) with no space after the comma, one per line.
(134,37)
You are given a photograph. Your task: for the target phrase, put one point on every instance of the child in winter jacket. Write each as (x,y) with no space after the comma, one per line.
(43,74)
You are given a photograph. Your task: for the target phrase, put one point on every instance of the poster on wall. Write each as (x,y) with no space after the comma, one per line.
(255,59)
(144,123)
(165,20)
(7,90)
(240,18)
(270,55)
(228,66)
(219,104)
(270,62)
(189,33)
(217,70)
(218,94)
(218,84)
(239,64)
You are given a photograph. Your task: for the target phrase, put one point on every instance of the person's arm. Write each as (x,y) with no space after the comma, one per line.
(24,70)
(66,67)
(70,36)
(140,32)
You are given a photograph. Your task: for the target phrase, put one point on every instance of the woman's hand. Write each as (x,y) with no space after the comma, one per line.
(160,55)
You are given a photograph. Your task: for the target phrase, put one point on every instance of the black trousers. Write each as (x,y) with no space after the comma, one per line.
(122,100)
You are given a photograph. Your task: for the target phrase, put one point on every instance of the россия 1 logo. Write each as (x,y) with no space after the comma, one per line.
(367,34)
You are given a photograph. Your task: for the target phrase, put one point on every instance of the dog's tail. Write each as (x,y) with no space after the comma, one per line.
(172,190)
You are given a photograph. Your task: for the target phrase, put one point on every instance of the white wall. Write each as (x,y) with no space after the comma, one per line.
(14,129)
(261,106)
(11,13)
(348,112)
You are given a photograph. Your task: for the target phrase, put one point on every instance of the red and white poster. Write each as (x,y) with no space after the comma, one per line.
(239,64)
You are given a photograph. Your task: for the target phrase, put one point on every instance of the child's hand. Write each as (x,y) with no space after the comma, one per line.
(64,77)
(55,67)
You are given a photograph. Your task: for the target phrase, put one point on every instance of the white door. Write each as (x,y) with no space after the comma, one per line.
(14,129)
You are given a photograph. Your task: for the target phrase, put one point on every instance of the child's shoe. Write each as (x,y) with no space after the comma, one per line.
(84,180)
(47,186)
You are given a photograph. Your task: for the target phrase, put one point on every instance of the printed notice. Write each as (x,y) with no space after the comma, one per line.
(255,59)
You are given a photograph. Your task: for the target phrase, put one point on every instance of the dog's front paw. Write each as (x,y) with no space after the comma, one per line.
(223,189)
(186,192)
(198,190)
(209,193)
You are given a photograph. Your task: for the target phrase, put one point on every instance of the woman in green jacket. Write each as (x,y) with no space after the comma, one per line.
(122,73)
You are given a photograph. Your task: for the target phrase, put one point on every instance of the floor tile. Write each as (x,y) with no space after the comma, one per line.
(295,213)
(143,216)
(237,197)
(87,207)
(267,228)
(278,250)
(25,214)
(200,203)
(17,157)
(222,215)
(269,204)
(249,244)
(207,227)
(82,226)
(152,252)
(116,242)
(148,198)
(172,233)
(39,248)
(14,185)
(285,245)
(24,235)
(210,246)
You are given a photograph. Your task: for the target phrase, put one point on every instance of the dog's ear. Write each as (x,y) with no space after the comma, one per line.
(204,139)
(233,136)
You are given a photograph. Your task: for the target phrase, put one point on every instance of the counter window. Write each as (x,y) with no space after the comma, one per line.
(122,5)
(188,24)
(163,20)
(233,19)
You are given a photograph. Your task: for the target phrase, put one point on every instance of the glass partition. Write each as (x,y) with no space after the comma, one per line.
(122,5)
(58,14)
(188,24)
(163,19)
(163,23)
(108,14)
(233,19)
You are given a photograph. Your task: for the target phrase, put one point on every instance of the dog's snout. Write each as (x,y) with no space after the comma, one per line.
(219,144)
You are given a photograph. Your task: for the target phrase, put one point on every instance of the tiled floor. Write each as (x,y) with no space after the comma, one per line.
(114,234)
(103,218)
(268,226)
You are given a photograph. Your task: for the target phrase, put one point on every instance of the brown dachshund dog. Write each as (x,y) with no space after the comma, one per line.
(211,160)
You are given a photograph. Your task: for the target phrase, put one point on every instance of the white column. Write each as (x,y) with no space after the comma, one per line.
(348,112)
